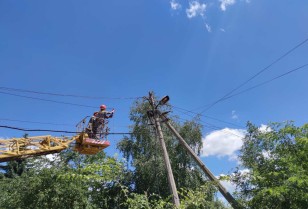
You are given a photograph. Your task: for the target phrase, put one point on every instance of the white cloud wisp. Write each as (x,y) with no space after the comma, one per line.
(175,5)
(225,3)
(234,115)
(195,9)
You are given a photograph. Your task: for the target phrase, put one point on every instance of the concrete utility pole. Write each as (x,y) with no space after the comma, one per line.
(155,114)
(222,190)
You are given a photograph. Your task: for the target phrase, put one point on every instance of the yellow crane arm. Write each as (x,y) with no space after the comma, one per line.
(15,148)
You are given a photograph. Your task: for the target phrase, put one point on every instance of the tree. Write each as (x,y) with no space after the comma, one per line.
(199,198)
(13,168)
(80,182)
(143,151)
(277,160)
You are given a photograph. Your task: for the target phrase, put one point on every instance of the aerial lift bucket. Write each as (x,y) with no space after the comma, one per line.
(86,145)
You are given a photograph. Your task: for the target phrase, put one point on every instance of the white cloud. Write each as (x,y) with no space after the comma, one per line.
(227,183)
(225,3)
(229,186)
(234,115)
(195,9)
(225,142)
(267,154)
(244,171)
(208,27)
(222,30)
(264,128)
(175,5)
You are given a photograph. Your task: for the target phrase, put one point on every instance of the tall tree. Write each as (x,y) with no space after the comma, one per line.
(143,151)
(277,159)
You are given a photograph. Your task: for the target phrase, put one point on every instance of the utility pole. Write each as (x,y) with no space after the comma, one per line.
(154,113)
(209,174)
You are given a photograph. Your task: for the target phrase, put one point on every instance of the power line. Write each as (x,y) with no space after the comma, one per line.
(55,131)
(210,117)
(212,126)
(241,92)
(216,128)
(47,123)
(47,100)
(260,84)
(65,95)
(257,74)
(35,122)
(265,82)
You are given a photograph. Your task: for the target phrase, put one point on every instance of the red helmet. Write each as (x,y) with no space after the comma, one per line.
(103,107)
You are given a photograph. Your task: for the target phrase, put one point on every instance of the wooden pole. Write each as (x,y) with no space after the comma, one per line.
(172,186)
(209,174)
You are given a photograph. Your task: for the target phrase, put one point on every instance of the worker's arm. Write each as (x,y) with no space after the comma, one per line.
(110,114)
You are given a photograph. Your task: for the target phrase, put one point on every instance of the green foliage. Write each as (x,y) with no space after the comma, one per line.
(13,168)
(200,198)
(95,183)
(108,169)
(278,163)
(42,190)
(98,184)
(143,150)
(143,201)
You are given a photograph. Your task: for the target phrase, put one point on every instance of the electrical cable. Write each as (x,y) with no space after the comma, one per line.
(257,85)
(265,82)
(248,89)
(241,92)
(55,131)
(65,95)
(36,122)
(217,128)
(47,100)
(257,74)
(210,117)
(208,125)
(212,126)
(47,123)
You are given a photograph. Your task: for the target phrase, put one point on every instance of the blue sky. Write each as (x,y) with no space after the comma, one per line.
(193,51)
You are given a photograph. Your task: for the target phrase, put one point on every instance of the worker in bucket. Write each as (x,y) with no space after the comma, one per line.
(98,119)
